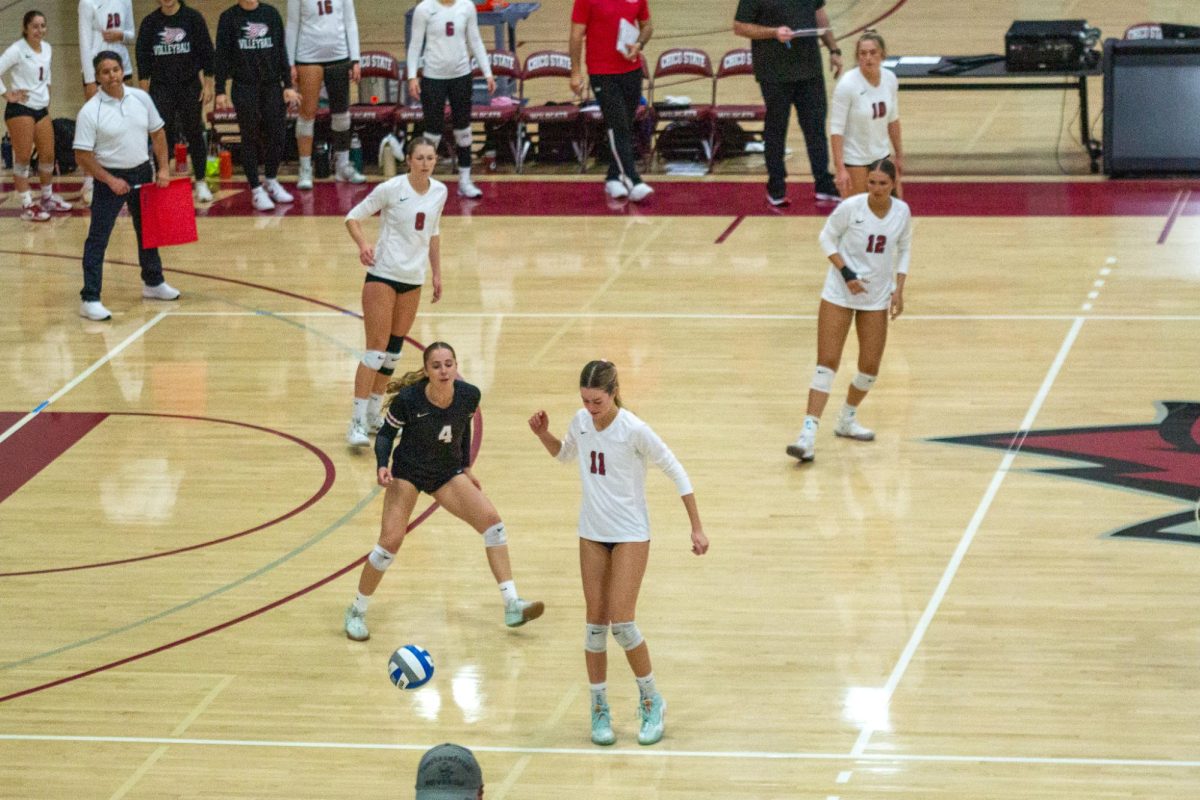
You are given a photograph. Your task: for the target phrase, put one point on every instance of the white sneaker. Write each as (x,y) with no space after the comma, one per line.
(348,174)
(804,448)
(260,199)
(640,192)
(277,192)
(201,192)
(468,189)
(375,423)
(33,212)
(54,203)
(304,181)
(850,429)
(616,190)
(164,291)
(85,191)
(356,436)
(94,310)
(355,624)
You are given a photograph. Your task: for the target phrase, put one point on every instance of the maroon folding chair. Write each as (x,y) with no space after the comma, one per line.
(735,63)
(548,64)
(675,62)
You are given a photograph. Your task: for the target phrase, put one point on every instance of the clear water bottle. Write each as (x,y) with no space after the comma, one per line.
(356,153)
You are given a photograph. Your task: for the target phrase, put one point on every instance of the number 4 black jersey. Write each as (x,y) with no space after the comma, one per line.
(436,441)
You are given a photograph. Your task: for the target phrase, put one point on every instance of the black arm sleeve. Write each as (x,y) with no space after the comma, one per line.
(204,47)
(281,56)
(466,444)
(226,52)
(145,50)
(383,444)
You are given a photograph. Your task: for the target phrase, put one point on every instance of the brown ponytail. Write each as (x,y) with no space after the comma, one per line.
(601,375)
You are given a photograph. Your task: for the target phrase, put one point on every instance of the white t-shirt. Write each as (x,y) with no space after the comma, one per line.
(612,469)
(319,31)
(408,221)
(27,70)
(115,130)
(445,32)
(97,16)
(874,248)
(861,112)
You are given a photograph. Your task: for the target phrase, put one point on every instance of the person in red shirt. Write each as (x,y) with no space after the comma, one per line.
(616,31)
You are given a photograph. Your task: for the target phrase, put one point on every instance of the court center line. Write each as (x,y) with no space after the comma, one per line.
(81,377)
(716,317)
(606,752)
(960,552)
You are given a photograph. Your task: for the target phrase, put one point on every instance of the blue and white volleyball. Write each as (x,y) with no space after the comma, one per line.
(410,667)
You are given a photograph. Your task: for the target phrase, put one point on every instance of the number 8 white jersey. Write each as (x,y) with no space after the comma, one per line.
(874,248)
(408,221)
(612,469)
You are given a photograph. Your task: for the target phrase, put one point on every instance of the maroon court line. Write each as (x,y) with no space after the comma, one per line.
(326,461)
(872,23)
(1181,200)
(732,226)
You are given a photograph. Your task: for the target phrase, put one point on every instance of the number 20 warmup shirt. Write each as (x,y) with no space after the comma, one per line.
(612,469)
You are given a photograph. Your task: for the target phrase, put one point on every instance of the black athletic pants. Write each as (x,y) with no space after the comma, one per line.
(181,111)
(618,96)
(808,97)
(434,93)
(106,206)
(262,123)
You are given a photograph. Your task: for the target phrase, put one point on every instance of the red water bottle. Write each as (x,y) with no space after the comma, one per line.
(181,154)
(226,161)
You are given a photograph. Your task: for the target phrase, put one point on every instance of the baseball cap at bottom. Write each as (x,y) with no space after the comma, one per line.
(448,772)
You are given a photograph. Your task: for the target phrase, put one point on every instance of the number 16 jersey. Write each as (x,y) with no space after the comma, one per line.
(612,469)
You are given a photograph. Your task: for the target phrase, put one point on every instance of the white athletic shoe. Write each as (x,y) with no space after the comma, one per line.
(375,423)
(55,204)
(201,193)
(356,436)
(304,181)
(33,212)
(616,190)
(850,429)
(468,189)
(164,291)
(94,310)
(348,174)
(261,200)
(355,624)
(804,448)
(521,611)
(277,192)
(640,192)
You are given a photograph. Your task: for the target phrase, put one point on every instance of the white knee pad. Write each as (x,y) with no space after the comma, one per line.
(823,379)
(435,139)
(864,382)
(20,170)
(305,127)
(495,536)
(339,122)
(594,638)
(390,360)
(462,137)
(627,634)
(373,359)
(380,558)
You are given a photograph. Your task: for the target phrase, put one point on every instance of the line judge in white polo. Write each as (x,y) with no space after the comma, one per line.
(110,144)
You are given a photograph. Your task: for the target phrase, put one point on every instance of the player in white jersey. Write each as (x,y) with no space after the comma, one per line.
(322,45)
(867,240)
(445,34)
(612,446)
(104,25)
(26,66)
(864,118)
(411,210)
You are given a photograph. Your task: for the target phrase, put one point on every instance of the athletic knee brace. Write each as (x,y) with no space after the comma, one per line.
(462,137)
(594,638)
(392,357)
(495,536)
(823,379)
(373,359)
(380,558)
(20,170)
(305,127)
(627,634)
(339,122)
(863,382)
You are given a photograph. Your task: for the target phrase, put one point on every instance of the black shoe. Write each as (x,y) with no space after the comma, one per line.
(779,202)
(827,193)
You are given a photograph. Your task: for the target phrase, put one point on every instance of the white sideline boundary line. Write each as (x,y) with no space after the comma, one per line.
(960,552)
(81,377)
(716,317)
(758,755)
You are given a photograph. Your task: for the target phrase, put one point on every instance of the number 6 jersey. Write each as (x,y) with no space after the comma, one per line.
(407,222)
(870,246)
(612,469)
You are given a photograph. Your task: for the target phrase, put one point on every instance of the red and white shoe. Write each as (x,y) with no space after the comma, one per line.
(55,204)
(33,212)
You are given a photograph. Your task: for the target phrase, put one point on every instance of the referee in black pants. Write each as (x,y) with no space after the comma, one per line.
(788,70)
(173,48)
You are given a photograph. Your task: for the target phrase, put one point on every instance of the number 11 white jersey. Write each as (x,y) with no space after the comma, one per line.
(612,469)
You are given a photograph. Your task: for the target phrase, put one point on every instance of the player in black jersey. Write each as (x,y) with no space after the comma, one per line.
(434,410)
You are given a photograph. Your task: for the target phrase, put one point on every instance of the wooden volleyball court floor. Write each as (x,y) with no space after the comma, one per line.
(994,599)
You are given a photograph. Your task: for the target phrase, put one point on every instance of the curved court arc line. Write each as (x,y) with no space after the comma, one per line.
(327,484)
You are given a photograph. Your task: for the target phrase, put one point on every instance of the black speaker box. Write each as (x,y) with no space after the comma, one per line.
(1050,46)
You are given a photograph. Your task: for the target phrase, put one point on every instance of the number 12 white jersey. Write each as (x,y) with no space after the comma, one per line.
(870,246)
(612,469)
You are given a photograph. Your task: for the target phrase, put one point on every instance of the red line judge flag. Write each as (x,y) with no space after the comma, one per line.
(168,216)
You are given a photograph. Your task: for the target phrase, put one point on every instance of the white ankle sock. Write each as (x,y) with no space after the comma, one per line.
(374,406)
(508,591)
(341,158)
(305,162)
(360,409)
(599,693)
(811,421)
(361,601)
(646,687)
(464,174)
(849,412)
